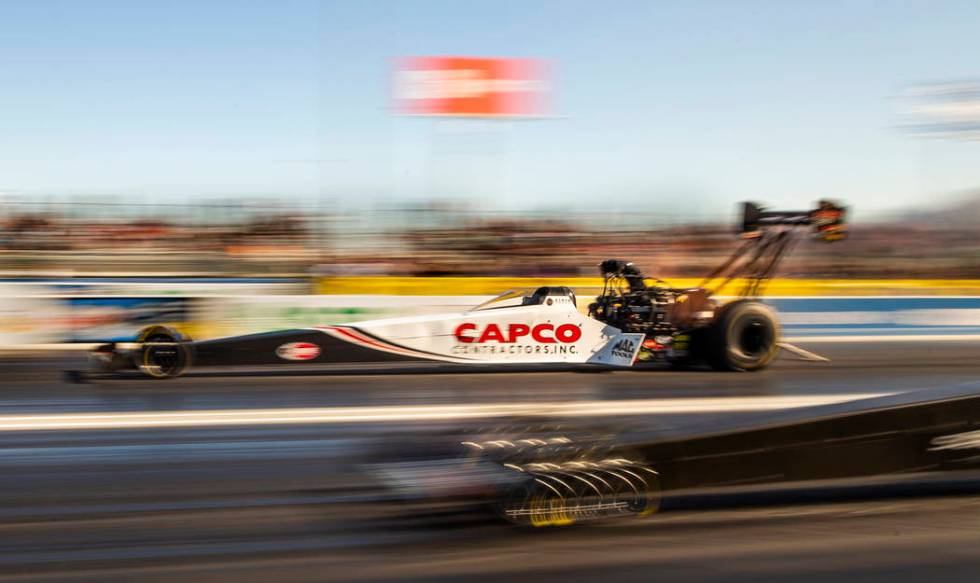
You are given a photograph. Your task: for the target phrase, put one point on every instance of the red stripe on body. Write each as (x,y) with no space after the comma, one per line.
(350,333)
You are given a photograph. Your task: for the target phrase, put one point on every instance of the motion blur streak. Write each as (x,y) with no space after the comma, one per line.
(294,416)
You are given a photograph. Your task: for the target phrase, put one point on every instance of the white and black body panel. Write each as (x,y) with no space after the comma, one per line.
(542,329)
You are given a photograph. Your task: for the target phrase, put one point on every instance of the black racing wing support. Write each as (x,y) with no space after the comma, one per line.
(769,235)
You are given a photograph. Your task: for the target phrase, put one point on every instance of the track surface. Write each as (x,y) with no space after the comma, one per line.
(286,503)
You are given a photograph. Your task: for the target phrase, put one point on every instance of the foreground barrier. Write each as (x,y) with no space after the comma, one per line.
(912,442)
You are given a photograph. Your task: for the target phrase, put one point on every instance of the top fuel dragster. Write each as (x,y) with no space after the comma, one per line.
(632,321)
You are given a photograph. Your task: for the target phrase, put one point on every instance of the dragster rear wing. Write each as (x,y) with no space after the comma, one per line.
(756,259)
(829,220)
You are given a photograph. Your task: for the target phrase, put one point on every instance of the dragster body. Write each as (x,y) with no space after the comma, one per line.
(548,331)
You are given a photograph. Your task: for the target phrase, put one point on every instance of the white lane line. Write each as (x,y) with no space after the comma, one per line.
(298,416)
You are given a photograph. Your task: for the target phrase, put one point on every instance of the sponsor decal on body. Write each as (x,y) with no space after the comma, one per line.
(515,338)
(624,348)
(298,351)
(469,341)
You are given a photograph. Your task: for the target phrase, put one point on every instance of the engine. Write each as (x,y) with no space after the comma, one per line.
(630,305)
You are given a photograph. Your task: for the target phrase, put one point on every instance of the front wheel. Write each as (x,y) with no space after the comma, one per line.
(164,353)
(744,337)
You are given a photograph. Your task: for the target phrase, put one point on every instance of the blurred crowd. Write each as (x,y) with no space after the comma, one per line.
(447,241)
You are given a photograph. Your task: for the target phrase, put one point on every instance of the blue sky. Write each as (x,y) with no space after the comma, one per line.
(683,106)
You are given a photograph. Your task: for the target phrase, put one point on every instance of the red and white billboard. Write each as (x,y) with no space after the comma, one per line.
(469,86)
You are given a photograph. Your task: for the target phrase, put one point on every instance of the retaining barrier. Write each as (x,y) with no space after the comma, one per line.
(39,313)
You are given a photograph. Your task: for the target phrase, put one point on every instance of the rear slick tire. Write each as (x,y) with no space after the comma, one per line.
(744,337)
